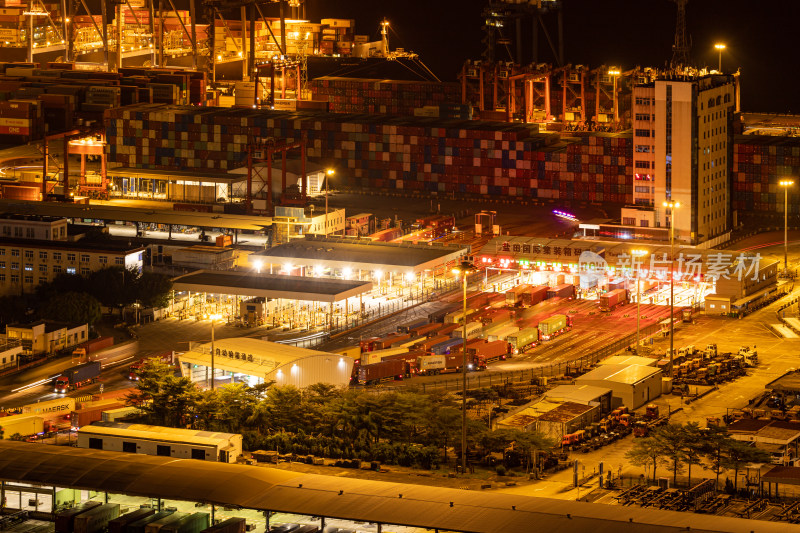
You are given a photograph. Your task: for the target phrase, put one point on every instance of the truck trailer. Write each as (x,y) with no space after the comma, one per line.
(610,300)
(474,329)
(554,326)
(488,352)
(567,290)
(388,370)
(65,520)
(432,365)
(523,339)
(534,296)
(25,425)
(77,376)
(501,333)
(231,525)
(514,295)
(96,519)
(117,525)
(446,346)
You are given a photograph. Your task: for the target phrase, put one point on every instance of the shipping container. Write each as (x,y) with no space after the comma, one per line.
(554,326)
(117,525)
(388,370)
(96,519)
(25,425)
(376,356)
(473,329)
(523,339)
(231,525)
(562,291)
(156,525)
(194,523)
(65,519)
(139,526)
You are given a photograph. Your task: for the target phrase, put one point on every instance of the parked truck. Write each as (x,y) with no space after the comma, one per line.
(610,300)
(554,326)
(485,353)
(409,360)
(501,333)
(65,519)
(26,425)
(376,356)
(523,339)
(96,519)
(567,290)
(535,295)
(388,370)
(474,329)
(514,295)
(77,376)
(441,364)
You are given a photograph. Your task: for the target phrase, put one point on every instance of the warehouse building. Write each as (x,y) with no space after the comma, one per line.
(552,418)
(257,361)
(582,394)
(162,441)
(631,385)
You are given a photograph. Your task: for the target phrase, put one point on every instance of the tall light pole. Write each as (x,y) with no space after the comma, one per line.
(786,184)
(213,318)
(329,174)
(720,47)
(464,269)
(638,253)
(672,206)
(614,72)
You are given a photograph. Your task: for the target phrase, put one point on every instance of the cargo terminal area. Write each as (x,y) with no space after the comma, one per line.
(204,492)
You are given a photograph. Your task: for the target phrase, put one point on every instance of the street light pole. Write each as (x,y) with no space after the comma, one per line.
(638,253)
(464,270)
(786,184)
(672,207)
(720,47)
(213,319)
(329,173)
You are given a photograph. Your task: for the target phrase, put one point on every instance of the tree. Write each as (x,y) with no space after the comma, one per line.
(670,439)
(692,446)
(62,283)
(113,286)
(164,398)
(72,307)
(715,440)
(153,289)
(646,452)
(738,453)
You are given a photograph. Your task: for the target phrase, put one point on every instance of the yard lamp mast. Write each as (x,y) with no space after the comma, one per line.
(464,269)
(786,184)
(672,206)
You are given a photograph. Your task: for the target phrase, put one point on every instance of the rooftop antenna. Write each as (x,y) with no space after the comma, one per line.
(680,50)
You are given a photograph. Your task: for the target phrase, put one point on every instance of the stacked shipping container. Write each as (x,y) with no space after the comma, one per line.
(759,163)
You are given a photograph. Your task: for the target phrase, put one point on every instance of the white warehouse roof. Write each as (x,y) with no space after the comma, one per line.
(271,361)
(623,374)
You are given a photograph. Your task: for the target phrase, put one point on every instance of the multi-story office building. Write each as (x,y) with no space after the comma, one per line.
(682,152)
(33,250)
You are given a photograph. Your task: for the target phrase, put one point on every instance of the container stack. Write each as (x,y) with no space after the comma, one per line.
(12,23)
(759,163)
(391,153)
(20,121)
(390,97)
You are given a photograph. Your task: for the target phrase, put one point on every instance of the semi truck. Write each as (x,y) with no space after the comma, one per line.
(535,295)
(77,376)
(554,326)
(25,425)
(567,290)
(474,329)
(409,359)
(523,339)
(388,370)
(488,352)
(514,295)
(432,365)
(376,356)
(610,300)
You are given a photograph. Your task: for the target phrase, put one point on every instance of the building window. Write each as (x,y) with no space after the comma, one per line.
(84,258)
(85,270)
(2,264)
(56,269)
(164,451)
(119,260)
(643,148)
(14,253)
(17,232)
(642,164)
(103,259)
(628,221)
(28,254)
(641,133)
(42,281)
(42,256)
(71,257)
(29,233)
(14,266)
(29,279)
(28,267)
(198,454)
(2,277)
(14,278)
(128,447)
(95,444)
(56,256)
(43,268)
(2,251)
(642,116)
(644,223)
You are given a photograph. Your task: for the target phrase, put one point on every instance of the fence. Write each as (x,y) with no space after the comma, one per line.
(489,379)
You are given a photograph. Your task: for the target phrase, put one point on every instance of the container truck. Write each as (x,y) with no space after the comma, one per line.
(77,376)
(388,370)
(446,346)
(501,333)
(514,295)
(95,520)
(117,525)
(194,523)
(366,344)
(410,361)
(231,525)
(554,326)
(25,425)
(139,525)
(407,328)
(65,519)
(388,341)
(488,352)
(566,290)
(474,329)
(610,300)
(534,295)
(156,525)
(376,356)
(523,339)
(432,365)
(426,344)
(427,329)
(496,317)
(93,411)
